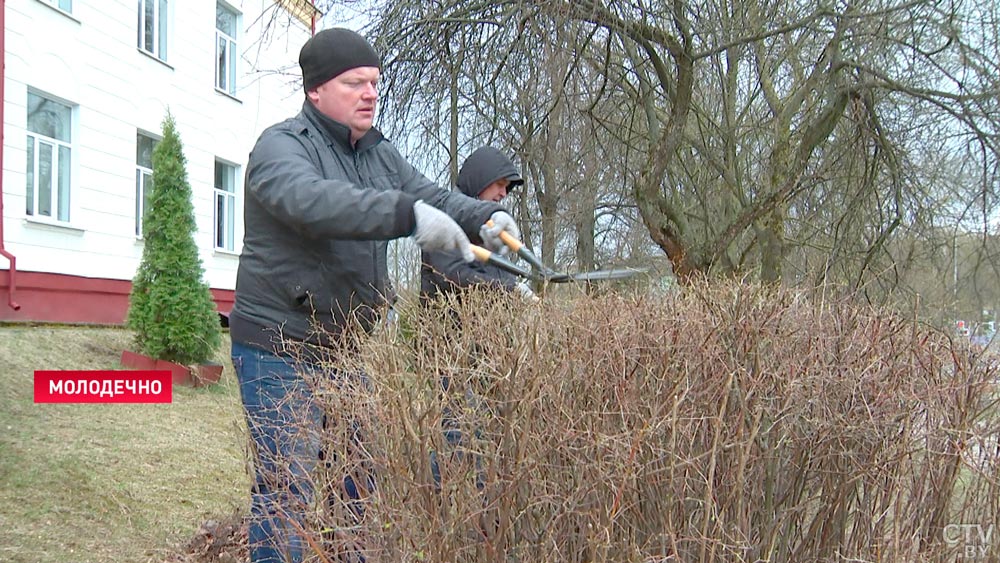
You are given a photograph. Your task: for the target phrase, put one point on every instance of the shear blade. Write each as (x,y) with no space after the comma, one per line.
(608,275)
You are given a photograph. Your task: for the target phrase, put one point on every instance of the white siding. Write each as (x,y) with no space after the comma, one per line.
(91,60)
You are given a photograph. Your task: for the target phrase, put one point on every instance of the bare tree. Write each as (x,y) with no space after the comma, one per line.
(747,138)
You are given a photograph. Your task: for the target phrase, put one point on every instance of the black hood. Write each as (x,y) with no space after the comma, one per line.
(483,167)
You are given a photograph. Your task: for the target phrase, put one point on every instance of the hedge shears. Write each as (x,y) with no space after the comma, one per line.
(540,271)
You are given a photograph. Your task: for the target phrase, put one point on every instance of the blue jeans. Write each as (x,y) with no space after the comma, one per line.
(452,429)
(285,426)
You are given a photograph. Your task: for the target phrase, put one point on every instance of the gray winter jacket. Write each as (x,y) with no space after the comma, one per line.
(318,214)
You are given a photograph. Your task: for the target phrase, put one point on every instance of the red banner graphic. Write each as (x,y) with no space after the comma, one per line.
(103,386)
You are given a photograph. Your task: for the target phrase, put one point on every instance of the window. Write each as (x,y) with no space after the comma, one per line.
(49,160)
(153,27)
(64,5)
(144,145)
(225,205)
(225,48)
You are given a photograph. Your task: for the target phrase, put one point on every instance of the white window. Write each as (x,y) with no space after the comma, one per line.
(64,5)
(153,27)
(225,205)
(225,48)
(50,150)
(144,145)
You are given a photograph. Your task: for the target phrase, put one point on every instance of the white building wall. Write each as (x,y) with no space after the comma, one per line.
(90,60)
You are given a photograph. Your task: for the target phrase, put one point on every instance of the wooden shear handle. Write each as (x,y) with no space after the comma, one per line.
(508,239)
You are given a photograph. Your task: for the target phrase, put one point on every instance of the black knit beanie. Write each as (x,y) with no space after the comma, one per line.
(331,52)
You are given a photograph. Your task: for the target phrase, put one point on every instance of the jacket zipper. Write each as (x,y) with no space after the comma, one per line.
(374,244)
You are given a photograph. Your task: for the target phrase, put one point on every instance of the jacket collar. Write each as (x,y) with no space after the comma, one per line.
(336,132)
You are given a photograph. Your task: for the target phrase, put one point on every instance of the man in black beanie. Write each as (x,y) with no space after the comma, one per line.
(324,192)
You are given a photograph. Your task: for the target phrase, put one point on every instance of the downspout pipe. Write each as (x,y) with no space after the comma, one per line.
(12,285)
(312,19)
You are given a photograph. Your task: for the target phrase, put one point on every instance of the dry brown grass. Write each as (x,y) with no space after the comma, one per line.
(109,483)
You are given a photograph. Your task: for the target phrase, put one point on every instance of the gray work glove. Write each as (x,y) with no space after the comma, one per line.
(502,221)
(525,292)
(437,232)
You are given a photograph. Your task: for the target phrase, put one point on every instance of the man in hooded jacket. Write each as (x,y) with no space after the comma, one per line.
(488,175)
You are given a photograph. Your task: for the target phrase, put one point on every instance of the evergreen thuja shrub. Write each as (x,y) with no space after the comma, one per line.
(170,307)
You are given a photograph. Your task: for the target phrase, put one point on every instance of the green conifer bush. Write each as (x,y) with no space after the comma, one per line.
(170,307)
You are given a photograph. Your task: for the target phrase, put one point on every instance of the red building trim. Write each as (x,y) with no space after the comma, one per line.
(60,298)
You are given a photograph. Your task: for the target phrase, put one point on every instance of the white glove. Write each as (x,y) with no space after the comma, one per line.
(502,221)
(525,292)
(437,232)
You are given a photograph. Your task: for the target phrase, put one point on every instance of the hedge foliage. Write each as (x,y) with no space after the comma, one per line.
(722,423)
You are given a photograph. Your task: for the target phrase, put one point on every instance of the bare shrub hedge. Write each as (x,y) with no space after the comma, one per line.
(724,423)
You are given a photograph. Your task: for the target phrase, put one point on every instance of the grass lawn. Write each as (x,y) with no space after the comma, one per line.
(118,483)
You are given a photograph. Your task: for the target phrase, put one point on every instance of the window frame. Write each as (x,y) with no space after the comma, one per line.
(59,5)
(62,207)
(160,28)
(141,171)
(225,78)
(228,205)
